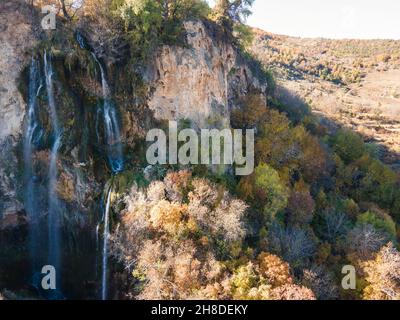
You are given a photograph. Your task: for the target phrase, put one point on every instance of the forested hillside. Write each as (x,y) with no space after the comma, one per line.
(352,82)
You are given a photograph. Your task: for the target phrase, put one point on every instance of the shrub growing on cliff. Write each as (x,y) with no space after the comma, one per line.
(230,12)
(149,23)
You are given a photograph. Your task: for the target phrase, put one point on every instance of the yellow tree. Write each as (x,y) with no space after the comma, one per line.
(383,275)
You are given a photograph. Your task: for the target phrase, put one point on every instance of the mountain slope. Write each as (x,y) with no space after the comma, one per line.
(355,83)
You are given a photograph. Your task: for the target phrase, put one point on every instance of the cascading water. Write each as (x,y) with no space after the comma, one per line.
(97,230)
(106,232)
(114,154)
(48,70)
(81,40)
(111,125)
(54,214)
(115,160)
(32,137)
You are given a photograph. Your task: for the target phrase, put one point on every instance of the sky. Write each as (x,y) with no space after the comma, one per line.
(356,19)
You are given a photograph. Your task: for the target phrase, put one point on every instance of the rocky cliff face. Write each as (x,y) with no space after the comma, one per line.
(16,37)
(201,82)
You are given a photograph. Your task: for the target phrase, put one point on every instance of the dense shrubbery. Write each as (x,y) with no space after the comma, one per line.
(143,25)
(183,238)
(326,201)
(149,23)
(312,205)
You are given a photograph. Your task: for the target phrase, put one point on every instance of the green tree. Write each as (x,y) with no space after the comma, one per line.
(271,190)
(149,23)
(382,223)
(348,145)
(230,12)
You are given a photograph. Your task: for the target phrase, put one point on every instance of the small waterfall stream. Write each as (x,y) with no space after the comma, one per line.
(111,125)
(32,135)
(54,214)
(49,73)
(106,232)
(115,161)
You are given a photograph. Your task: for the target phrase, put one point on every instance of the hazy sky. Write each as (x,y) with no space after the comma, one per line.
(364,19)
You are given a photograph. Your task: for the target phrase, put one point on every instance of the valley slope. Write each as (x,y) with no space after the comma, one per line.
(354,83)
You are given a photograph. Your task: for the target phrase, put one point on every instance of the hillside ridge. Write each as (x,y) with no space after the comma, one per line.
(354,83)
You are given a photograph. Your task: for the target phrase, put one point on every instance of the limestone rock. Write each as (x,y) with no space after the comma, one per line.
(199,82)
(16,37)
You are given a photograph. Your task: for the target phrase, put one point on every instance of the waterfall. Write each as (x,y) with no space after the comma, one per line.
(98,115)
(97,250)
(54,214)
(97,236)
(115,160)
(32,135)
(111,125)
(81,40)
(112,139)
(48,69)
(106,232)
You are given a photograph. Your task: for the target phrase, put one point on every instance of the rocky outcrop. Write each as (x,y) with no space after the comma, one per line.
(16,37)
(10,207)
(200,82)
